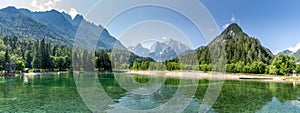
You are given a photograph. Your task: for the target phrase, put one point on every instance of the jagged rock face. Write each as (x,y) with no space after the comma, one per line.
(161,51)
(54,25)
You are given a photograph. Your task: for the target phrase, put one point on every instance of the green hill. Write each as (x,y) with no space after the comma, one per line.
(239,47)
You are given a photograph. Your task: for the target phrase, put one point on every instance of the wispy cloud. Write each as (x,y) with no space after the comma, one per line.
(294,48)
(233,19)
(42,5)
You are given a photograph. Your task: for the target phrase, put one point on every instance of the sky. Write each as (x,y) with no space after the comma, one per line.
(275,23)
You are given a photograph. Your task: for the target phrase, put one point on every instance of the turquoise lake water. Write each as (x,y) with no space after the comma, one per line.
(58,93)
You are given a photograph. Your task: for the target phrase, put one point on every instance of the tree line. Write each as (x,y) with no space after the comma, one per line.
(45,55)
(282,64)
(34,54)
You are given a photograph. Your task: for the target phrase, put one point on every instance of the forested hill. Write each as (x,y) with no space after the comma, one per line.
(52,25)
(13,22)
(239,47)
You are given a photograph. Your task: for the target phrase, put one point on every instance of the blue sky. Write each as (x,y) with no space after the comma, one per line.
(275,23)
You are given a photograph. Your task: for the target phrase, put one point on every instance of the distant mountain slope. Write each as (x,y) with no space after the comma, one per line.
(288,52)
(139,50)
(239,47)
(53,25)
(161,51)
(55,20)
(13,22)
(297,55)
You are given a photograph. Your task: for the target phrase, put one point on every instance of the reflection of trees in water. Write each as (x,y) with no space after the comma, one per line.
(114,90)
(44,93)
(242,97)
(250,96)
(136,101)
(236,96)
(286,91)
(110,85)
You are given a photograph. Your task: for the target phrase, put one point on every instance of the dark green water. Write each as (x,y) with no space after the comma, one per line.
(58,93)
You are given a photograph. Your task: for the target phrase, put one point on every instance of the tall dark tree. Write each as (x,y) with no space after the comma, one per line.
(46,59)
(37,59)
(103,62)
(28,60)
(7,58)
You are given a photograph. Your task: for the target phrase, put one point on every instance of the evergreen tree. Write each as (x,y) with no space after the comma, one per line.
(135,65)
(7,57)
(28,60)
(36,63)
(103,62)
(46,62)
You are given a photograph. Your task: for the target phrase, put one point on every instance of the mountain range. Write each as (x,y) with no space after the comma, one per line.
(161,51)
(53,25)
(59,27)
(288,52)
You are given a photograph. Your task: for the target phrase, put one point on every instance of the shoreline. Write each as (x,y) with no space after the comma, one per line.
(42,73)
(198,75)
(217,76)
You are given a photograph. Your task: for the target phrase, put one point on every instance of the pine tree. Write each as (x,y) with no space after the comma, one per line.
(28,60)
(36,63)
(103,62)
(7,58)
(46,62)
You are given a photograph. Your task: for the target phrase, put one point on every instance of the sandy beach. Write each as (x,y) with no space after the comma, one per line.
(200,75)
(43,73)
(217,76)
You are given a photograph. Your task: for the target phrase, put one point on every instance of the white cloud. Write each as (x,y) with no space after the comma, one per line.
(33,3)
(42,5)
(233,19)
(164,38)
(294,48)
(277,52)
(73,12)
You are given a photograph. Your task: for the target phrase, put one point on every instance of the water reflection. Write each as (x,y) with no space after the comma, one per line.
(41,93)
(275,105)
(133,102)
(236,96)
(58,93)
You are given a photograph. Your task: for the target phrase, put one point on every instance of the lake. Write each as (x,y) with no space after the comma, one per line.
(58,93)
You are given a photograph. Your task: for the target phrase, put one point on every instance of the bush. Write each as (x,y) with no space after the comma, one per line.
(283,65)
(258,67)
(230,68)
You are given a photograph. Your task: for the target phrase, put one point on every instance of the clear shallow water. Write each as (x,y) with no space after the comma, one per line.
(58,93)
